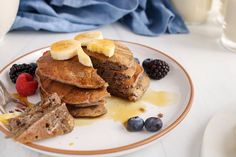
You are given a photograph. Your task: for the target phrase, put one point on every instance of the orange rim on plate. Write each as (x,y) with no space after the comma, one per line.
(117,149)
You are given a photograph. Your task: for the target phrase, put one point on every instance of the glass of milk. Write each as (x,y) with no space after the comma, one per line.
(228,38)
(8,11)
(193,11)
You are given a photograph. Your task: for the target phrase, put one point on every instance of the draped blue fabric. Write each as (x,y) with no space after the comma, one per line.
(145,17)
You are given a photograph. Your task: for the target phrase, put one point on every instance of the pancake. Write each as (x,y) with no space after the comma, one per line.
(121,60)
(44,96)
(133,93)
(116,74)
(125,83)
(87,112)
(71,94)
(70,72)
(126,78)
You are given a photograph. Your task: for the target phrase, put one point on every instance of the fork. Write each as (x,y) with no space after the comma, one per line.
(5,98)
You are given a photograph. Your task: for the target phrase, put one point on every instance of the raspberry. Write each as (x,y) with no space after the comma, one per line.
(26,85)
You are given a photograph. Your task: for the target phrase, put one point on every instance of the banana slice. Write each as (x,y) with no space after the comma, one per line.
(64,49)
(4,117)
(85,38)
(84,58)
(106,47)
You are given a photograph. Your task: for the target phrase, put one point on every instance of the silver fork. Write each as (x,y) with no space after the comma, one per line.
(5,98)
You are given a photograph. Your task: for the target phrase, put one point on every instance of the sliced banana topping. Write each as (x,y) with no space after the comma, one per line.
(4,117)
(64,49)
(85,38)
(84,58)
(106,47)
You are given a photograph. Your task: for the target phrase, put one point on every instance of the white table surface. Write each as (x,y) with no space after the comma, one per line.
(211,67)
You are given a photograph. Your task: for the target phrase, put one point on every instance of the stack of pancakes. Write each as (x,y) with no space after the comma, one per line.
(126,78)
(80,87)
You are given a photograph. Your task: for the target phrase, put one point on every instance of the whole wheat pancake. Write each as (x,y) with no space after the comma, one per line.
(69,72)
(45,95)
(88,112)
(121,60)
(116,74)
(125,83)
(132,93)
(71,94)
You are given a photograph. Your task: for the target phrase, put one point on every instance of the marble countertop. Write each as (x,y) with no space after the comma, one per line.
(211,67)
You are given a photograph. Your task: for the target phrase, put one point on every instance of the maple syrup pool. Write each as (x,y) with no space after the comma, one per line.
(121,110)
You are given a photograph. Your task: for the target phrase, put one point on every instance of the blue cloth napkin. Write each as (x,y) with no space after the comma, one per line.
(145,17)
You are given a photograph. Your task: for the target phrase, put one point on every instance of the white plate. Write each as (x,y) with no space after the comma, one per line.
(107,137)
(220,135)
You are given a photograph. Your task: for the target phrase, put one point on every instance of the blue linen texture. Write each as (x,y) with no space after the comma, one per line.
(144,17)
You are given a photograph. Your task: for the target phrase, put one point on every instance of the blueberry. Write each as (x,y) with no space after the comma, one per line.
(137,60)
(146,63)
(135,124)
(153,124)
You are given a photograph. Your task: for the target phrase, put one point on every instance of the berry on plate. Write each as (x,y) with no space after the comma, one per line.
(137,60)
(17,69)
(153,124)
(135,124)
(26,85)
(155,68)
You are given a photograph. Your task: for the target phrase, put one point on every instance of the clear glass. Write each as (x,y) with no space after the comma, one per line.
(222,8)
(228,38)
(193,11)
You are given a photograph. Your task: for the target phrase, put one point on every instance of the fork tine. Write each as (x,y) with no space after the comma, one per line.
(2,110)
(5,92)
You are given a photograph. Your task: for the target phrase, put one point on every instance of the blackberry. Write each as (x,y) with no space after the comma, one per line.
(17,69)
(156,69)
